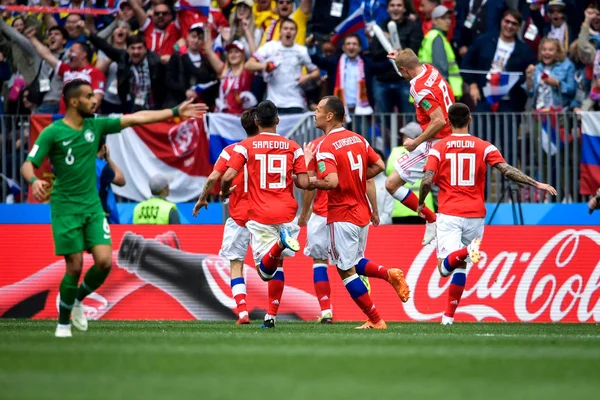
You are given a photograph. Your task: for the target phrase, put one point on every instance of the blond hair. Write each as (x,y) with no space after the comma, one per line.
(407,59)
(560,52)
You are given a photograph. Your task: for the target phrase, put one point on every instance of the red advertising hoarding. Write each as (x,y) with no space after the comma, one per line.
(527,274)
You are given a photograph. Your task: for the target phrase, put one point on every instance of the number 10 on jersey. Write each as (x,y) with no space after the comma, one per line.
(459,163)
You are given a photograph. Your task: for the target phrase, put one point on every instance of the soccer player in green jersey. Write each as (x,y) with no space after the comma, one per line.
(78,220)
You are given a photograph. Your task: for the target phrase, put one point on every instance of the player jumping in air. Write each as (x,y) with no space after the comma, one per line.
(236,237)
(345,162)
(78,220)
(458,164)
(272,161)
(432,96)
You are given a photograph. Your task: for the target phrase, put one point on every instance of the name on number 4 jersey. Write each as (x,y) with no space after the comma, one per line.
(460,164)
(347,154)
(271,161)
(430,90)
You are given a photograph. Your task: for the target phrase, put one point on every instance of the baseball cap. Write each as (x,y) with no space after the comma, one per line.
(159,182)
(237,44)
(197,26)
(557,4)
(412,130)
(439,12)
(249,3)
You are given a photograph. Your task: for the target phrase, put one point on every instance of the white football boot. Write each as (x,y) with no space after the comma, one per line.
(78,318)
(430,233)
(63,331)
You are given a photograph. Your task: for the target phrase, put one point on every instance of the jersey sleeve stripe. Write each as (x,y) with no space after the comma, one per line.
(242,150)
(224,155)
(488,150)
(421,95)
(325,156)
(435,153)
(298,153)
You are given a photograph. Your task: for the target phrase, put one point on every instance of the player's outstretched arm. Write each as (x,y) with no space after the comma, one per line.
(187,109)
(515,175)
(208,185)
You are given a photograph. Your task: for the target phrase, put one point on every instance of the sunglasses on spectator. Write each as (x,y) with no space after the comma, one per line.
(161,13)
(513,23)
(284,2)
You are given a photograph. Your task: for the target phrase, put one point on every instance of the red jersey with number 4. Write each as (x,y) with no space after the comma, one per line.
(430,90)
(238,201)
(460,163)
(320,203)
(349,155)
(271,161)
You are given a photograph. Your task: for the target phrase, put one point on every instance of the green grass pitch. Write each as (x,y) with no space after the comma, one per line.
(217,360)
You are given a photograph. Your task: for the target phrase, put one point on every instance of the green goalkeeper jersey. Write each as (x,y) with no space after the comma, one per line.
(72,154)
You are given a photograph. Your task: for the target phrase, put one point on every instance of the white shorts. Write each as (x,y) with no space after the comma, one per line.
(263,237)
(235,241)
(348,243)
(317,238)
(454,233)
(410,165)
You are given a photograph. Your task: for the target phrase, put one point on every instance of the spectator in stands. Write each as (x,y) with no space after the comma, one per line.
(498,53)
(79,66)
(243,28)
(74,28)
(588,42)
(437,50)
(558,28)
(425,10)
(108,173)
(475,18)
(551,82)
(583,83)
(194,75)
(284,10)
(160,31)
(264,12)
(140,73)
(157,210)
(281,61)
(390,89)
(234,92)
(347,75)
(112,102)
(18,50)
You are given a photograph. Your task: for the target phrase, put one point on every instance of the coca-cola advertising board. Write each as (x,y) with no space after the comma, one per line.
(527,274)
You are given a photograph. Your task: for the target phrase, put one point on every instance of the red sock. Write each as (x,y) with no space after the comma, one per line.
(276,286)
(238,290)
(457,257)
(457,287)
(366,305)
(371,269)
(270,260)
(240,301)
(412,201)
(323,292)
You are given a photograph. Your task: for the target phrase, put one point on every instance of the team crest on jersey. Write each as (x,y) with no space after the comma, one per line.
(89,136)
(321,166)
(426,105)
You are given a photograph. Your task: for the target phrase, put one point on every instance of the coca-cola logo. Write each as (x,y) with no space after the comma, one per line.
(560,282)
(184,137)
(218,274)
(94,305)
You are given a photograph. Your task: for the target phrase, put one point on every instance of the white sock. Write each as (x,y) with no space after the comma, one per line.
(77,303)
(401,193)
(64,326)
(269,316)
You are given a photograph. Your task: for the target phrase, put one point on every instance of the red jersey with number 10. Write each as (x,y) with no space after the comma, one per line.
(271,161)
(348,154)
(430,90)
(238,201)
(320,203)
(460,163)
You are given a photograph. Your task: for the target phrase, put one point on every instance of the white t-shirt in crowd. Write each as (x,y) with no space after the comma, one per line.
(282,83)
(503,52)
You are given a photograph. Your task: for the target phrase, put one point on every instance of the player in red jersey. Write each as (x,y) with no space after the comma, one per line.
(432,96)
(345,162)
(272,161)
(236,237)
(458,165)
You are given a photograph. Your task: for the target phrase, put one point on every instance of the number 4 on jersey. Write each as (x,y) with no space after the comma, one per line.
(358,165)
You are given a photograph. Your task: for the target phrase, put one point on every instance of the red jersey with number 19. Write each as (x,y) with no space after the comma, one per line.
(272,160)
(430,90)
(238,201)
(460,164)
(347,154)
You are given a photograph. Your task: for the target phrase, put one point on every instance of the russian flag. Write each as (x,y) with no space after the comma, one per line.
(352,24)
(202,6)
(590,153)
(14,187)
(498,86)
